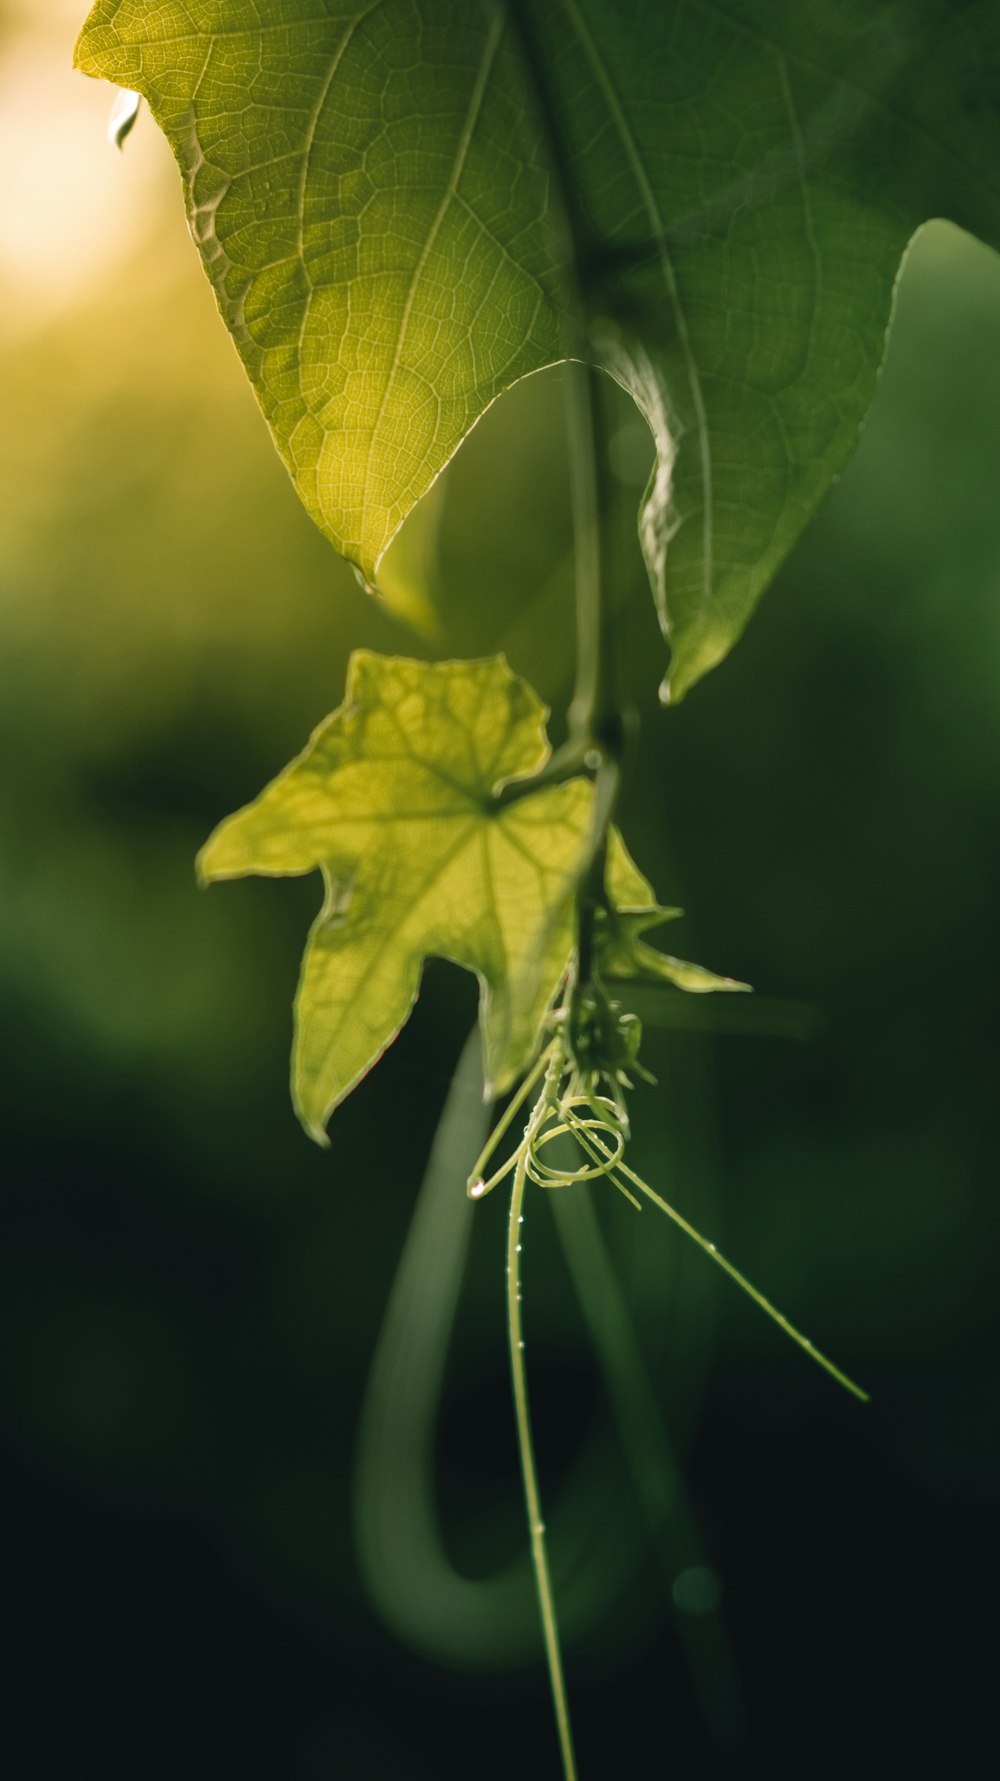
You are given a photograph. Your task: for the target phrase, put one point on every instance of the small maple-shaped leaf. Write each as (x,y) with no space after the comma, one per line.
(622,954)
(393,799)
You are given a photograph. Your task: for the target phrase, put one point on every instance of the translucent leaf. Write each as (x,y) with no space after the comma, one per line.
(621,953)
(392,799)
(368,191)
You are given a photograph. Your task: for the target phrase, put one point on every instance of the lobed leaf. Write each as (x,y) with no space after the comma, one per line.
(366,186)
(392,798)
(621,954)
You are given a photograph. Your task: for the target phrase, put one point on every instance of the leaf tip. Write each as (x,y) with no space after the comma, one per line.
(313,1124)
(204,872)
(223,855)
(365,581)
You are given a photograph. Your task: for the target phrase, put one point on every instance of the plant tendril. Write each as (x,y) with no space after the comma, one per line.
(584,1103)
(529,1469)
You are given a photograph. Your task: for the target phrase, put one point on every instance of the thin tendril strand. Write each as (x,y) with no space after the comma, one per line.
(583,1131)
(565,1089)
(476,1188)
(526,1448)
(606,1116)
(603,1117)
(555,1116)
(601,1135)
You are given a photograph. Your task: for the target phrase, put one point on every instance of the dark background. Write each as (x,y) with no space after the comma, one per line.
(190,1293)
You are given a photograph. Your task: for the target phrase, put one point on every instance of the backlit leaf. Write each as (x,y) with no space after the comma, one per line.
(367,188)
(392,799)
(621,953)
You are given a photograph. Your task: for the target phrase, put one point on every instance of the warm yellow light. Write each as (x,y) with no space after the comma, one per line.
(71,206)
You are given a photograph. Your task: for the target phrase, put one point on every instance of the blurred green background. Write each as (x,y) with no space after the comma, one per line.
(190,1293)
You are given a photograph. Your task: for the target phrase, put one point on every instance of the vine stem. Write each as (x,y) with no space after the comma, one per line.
(596,742)
(598,721)
(526,1447)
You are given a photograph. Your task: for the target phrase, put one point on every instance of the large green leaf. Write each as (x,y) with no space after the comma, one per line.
(368,194)
(392,797)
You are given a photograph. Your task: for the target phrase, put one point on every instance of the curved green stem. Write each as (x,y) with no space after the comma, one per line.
(571,761)
(526,1449)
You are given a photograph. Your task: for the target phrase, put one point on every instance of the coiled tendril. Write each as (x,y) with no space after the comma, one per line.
(603,1116)
(571,1105)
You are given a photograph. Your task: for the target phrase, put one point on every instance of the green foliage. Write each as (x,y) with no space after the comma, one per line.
(622,954)
(368,192)
(394,798)
(371,188)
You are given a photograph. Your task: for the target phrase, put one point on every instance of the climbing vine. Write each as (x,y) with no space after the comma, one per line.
(406,206)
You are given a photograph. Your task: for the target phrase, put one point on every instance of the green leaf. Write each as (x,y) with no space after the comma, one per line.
(392,797)
(368,193)
(620,952)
